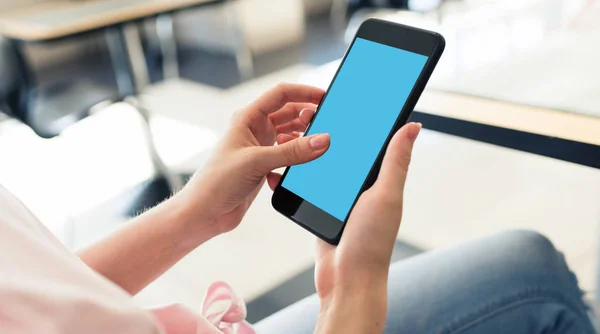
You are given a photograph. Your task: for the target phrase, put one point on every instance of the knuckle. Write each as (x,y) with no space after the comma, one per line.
(403,173)
(247,156)
(254,159)
(282,86)
(408,156)
(388,194)
(390,204)
(282,92)
(393,201)
(402,160)
(236,115)
(382,200)
(292,151)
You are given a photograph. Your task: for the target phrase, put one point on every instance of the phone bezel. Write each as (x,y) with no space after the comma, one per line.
(424,42)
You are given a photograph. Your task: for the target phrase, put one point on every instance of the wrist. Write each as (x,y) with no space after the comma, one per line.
(189,226)
(354,311)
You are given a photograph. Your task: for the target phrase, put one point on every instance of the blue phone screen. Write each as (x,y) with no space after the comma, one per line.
(359,112)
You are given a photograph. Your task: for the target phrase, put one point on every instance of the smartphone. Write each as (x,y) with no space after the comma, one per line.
(371,96)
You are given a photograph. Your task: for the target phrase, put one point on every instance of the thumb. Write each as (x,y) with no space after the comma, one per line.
(294,152)
(394,167)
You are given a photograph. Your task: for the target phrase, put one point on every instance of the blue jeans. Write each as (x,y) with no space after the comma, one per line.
(514,282)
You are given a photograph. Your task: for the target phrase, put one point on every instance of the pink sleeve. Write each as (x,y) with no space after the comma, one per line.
(44,288)
(32,308)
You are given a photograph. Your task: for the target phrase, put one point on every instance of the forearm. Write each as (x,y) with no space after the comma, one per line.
(147,246)
(360,312)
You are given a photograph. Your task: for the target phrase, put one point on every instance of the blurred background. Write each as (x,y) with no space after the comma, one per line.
(109,105)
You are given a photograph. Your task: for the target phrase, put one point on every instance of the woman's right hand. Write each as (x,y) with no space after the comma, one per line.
(351,279)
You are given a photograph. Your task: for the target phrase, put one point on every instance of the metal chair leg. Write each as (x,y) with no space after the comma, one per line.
(168,45)
(243,54)
(117,47)
(174,181)
(137,59)
(132,76)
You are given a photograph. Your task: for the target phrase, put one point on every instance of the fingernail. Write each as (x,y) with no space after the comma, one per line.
(414,131)
(306,110)
(319,142)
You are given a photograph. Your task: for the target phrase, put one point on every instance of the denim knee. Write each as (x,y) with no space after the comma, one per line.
(449,290)
(531,242)
(529,254)
(533,258)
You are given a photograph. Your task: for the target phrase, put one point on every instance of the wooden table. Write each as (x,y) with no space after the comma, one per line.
(556,134)
(51,20)
(546,122)
(55,19)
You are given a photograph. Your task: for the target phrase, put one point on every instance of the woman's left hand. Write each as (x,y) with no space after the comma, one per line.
(219,195)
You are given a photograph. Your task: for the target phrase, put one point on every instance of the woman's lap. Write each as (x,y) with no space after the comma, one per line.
(513,282)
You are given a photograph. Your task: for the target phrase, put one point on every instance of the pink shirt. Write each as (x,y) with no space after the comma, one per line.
(44,288)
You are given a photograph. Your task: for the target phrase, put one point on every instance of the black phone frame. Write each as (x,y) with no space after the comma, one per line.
(420,41)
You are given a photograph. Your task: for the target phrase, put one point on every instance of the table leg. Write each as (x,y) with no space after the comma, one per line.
(168,45)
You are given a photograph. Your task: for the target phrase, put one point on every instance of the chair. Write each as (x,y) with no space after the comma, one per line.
(50,109)
(47,109)
(10,80)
